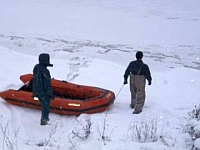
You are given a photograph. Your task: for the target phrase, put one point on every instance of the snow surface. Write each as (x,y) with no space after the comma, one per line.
(91,42)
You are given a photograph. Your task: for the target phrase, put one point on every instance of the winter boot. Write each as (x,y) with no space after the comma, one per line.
(137,112)
(43,122)
(132,106)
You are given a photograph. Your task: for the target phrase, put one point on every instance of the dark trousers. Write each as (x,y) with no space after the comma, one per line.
(45,104)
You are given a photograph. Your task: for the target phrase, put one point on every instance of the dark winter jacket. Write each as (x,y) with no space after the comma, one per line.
(134,67)
(42,78)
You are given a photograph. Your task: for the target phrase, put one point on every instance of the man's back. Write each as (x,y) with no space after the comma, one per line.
(138,67)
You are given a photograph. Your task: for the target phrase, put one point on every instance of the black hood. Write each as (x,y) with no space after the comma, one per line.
(44,59)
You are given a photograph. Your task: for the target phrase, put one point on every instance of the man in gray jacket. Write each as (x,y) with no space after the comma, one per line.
(138,72)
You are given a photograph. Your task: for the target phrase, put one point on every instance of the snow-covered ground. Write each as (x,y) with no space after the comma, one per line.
(91,42)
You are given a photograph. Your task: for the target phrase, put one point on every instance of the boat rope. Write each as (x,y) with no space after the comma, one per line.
(119,91)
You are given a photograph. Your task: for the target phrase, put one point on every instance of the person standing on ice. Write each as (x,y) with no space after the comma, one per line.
(138,72)
(42,89)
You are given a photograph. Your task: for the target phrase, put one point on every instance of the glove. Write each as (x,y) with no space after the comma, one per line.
(51,94)
(53,97)
(149,83)
(125,82)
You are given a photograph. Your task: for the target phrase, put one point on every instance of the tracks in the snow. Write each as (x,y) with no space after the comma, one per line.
(79,53)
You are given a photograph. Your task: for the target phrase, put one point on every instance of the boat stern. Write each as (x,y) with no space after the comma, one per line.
(3,94)
(26,78)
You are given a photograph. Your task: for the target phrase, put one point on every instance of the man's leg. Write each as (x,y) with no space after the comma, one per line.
(140,100)
(140,82)
(45,104)
(133,91)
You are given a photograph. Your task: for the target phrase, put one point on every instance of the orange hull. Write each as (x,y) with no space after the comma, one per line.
(70,99)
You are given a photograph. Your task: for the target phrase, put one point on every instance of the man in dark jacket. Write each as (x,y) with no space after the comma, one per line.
(42,89)
(138,72)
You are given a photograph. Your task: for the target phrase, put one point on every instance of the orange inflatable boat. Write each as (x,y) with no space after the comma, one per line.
(70,99)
